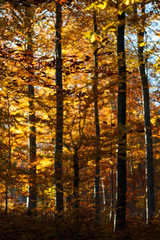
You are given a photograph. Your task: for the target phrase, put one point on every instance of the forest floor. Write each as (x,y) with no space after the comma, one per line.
(23,227)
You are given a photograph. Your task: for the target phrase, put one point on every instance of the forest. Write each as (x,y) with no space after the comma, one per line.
(79,119)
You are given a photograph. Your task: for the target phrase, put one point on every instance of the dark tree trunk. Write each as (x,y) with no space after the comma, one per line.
(59,115)
(112,193)
(150,201)
(9,157)
(32,153)
(6,199)
(95,94)
(32,134)
(76,184)
(120,217)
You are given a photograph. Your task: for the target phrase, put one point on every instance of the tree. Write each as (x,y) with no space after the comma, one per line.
(95,94)
(59,114)
(150,202)
(32,135)
(121,158)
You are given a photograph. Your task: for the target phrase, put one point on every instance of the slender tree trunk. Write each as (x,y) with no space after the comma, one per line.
(76,184)
(32,134)
(32,153)
(9,157)
(6,199)
(112,194)
(112,197)
(95,94)
(150,201)
(120,217)
(59,116)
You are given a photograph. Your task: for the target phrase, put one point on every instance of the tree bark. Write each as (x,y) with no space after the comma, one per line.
(150,201)
(8,157)
(112,193)
(76,184)
(32,153)
(120,216)
(96,117)
(32,129)
(59,114)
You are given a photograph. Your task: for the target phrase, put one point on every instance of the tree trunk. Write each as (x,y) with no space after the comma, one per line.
(150,201)
(9,157)
(32,153)
(112,194)
(6,199)
(121,158)
(76,184)
(59,115)
(32,134)
(95,94)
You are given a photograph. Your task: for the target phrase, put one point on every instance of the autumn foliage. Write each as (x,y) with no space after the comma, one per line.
(59,132)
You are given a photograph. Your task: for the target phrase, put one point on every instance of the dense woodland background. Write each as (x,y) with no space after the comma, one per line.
(79,119)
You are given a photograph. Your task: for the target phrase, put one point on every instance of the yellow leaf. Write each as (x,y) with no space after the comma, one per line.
(108,26)
(128,2)
(98,38)
(96,5)
(91,6)
(95,37)
(102,5)
(142,44)
(92,39)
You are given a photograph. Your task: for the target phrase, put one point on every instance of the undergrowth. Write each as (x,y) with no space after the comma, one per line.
(19,226)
